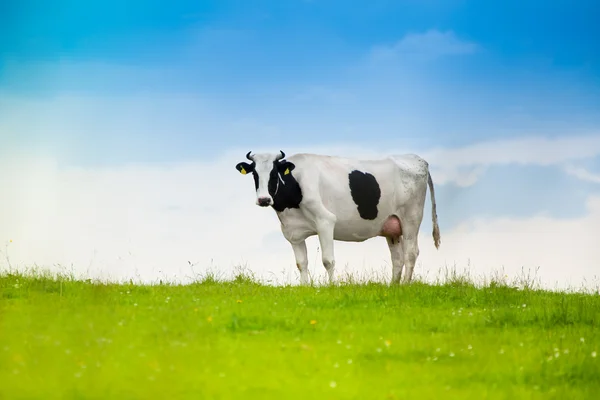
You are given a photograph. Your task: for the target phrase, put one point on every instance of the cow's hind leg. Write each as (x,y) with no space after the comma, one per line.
(301,256)
(411,249)
(396,251)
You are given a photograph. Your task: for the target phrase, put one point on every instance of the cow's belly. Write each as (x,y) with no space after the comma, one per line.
(295,226)
(351,227)
(357,230)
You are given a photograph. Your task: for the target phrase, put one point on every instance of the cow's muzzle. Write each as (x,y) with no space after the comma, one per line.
(264,201)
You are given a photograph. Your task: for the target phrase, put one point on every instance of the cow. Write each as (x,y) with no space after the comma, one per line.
(346,199)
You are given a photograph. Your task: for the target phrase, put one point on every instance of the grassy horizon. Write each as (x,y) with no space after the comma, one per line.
(66,338)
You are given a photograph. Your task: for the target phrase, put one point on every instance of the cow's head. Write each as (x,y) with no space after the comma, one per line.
(267,170)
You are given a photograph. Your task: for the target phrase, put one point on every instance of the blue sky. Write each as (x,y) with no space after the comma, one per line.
(304,71)
(109,83)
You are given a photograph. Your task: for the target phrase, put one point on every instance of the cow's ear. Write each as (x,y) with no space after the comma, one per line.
(244,167)
(285,167)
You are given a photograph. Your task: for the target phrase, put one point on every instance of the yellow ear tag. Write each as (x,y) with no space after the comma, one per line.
(243,171)
(287,171)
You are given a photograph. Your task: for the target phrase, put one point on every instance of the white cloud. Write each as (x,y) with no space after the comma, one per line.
(428,45)
(465,165)
(148,221)
(582,173)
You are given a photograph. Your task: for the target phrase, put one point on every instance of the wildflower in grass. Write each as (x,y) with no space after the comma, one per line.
(349,361)
(470,347)
(239,301)
(332,384)
(582,340)
(451,354)
(339,342)
(556,354)
(388,343)
(209,318)
(593,354)
(524,305)
(313,321)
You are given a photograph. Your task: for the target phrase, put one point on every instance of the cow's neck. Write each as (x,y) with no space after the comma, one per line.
(289,194)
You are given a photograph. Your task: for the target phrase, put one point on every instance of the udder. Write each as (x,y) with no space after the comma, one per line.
(392,227)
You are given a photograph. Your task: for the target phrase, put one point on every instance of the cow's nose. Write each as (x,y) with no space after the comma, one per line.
(264,201)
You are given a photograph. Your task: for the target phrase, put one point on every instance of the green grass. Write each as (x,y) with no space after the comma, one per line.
(63,338)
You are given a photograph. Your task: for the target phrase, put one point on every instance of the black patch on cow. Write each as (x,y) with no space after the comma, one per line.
(365,193)
(289,192)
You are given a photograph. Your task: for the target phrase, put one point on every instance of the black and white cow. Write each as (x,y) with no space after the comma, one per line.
(348,200)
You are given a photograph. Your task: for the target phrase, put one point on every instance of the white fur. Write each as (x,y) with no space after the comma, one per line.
(264,165)
(327,208)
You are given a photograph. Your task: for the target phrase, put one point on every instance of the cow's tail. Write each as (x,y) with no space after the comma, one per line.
(436,228)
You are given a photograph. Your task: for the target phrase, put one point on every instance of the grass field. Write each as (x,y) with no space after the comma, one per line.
(62,338)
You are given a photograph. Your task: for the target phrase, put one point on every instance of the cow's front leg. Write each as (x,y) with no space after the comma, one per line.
(301,256)
(324,221)
(325,231)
